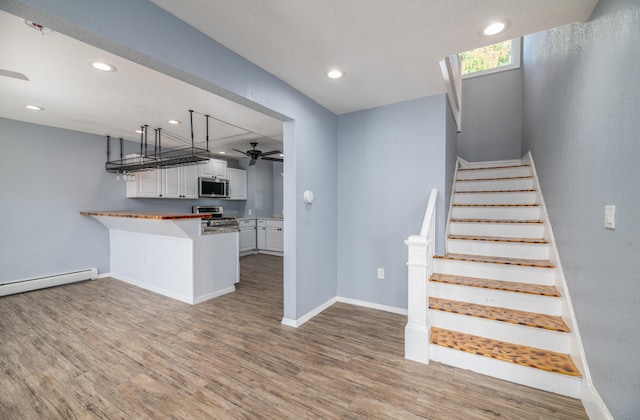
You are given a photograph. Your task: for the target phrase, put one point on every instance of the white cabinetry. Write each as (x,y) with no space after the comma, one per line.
(270,236)
(213,168)
(247,236)
(237,184)
(180,182)
(146,184)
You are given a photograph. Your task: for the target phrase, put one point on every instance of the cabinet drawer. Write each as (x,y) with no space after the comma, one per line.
(275,224)
(262,223)
(247,223)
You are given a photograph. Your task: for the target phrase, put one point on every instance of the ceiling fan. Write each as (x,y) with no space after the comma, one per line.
(258,154)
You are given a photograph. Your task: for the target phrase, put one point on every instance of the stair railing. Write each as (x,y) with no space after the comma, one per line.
(420,267)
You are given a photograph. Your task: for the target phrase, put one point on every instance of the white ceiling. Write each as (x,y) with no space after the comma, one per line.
(76,96)
(388,49)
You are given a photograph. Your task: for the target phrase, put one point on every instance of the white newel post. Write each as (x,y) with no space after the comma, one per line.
(416,333)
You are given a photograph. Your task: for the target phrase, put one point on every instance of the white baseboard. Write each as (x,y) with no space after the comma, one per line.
(593,404)
(363,303)
(214,294)
(295,323)
(157,290)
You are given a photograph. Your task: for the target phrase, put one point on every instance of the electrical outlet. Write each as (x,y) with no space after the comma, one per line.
(380,273)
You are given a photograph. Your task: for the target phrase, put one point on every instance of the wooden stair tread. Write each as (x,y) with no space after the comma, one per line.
(497,260)
(495,179)
(496,205)
(494,191)
(512,316)
(491,167)
(509,352)
(508,286)
(499,239)
(496,221)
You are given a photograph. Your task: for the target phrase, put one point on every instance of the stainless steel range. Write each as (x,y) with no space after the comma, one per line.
(218,222)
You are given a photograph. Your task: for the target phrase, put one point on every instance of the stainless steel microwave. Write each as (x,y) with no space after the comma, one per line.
(213,187)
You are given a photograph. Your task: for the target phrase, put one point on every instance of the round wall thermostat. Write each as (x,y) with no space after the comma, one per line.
(308,197)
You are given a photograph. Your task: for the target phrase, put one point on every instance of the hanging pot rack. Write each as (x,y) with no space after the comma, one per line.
(158,158)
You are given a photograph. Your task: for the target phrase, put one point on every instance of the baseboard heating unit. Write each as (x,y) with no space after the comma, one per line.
(27,285)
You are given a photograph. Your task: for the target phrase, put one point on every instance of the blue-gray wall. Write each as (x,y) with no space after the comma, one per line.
(47,177)
(146,34)
(581,123)
(491,117)
(389,158)
(259,188)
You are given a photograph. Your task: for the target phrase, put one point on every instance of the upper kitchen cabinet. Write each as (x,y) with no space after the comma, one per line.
(237,184)
(214,168)
(178,182)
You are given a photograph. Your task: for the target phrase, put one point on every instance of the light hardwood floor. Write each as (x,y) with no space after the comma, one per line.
(105,349)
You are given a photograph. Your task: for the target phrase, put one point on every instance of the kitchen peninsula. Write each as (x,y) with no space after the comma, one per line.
(168,253)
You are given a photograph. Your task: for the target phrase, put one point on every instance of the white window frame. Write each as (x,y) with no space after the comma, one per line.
(516,48)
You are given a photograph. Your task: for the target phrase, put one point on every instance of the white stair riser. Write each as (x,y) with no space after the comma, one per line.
(511,300)
(496,213)
(495,173)
(495,198)
(499,249)
(504,272)
(548,381)
(502,331)
(492,164)
(508,230)
(492,185)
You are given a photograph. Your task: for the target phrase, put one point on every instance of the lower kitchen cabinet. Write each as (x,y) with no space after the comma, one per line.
(270,236)
(247,242)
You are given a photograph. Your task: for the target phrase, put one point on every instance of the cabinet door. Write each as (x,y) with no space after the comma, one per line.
(213,168)
(189,182)
(171,182)
(146,184)
(275,239)
(219,168)
(262,237)
(247,239)
(237,184)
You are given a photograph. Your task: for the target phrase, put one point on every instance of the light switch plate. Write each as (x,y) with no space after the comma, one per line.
(610,217)
(381,273)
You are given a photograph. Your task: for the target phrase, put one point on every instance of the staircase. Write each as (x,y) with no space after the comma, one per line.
(495,305)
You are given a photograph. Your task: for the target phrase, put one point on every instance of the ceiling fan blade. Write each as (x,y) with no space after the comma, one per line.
(240,151)
(273,152)
(253,162)
(273,159)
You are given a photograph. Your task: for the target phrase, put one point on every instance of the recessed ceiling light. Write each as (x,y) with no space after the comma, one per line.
(139,131)
(103,66)
(334,74)
(281,155)
(174,122)
(495,28)
(34,107)
(222,153)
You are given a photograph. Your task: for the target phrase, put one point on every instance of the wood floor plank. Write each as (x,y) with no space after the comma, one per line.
(106,349)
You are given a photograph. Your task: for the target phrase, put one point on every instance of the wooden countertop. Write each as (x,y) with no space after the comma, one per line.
(147,215)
